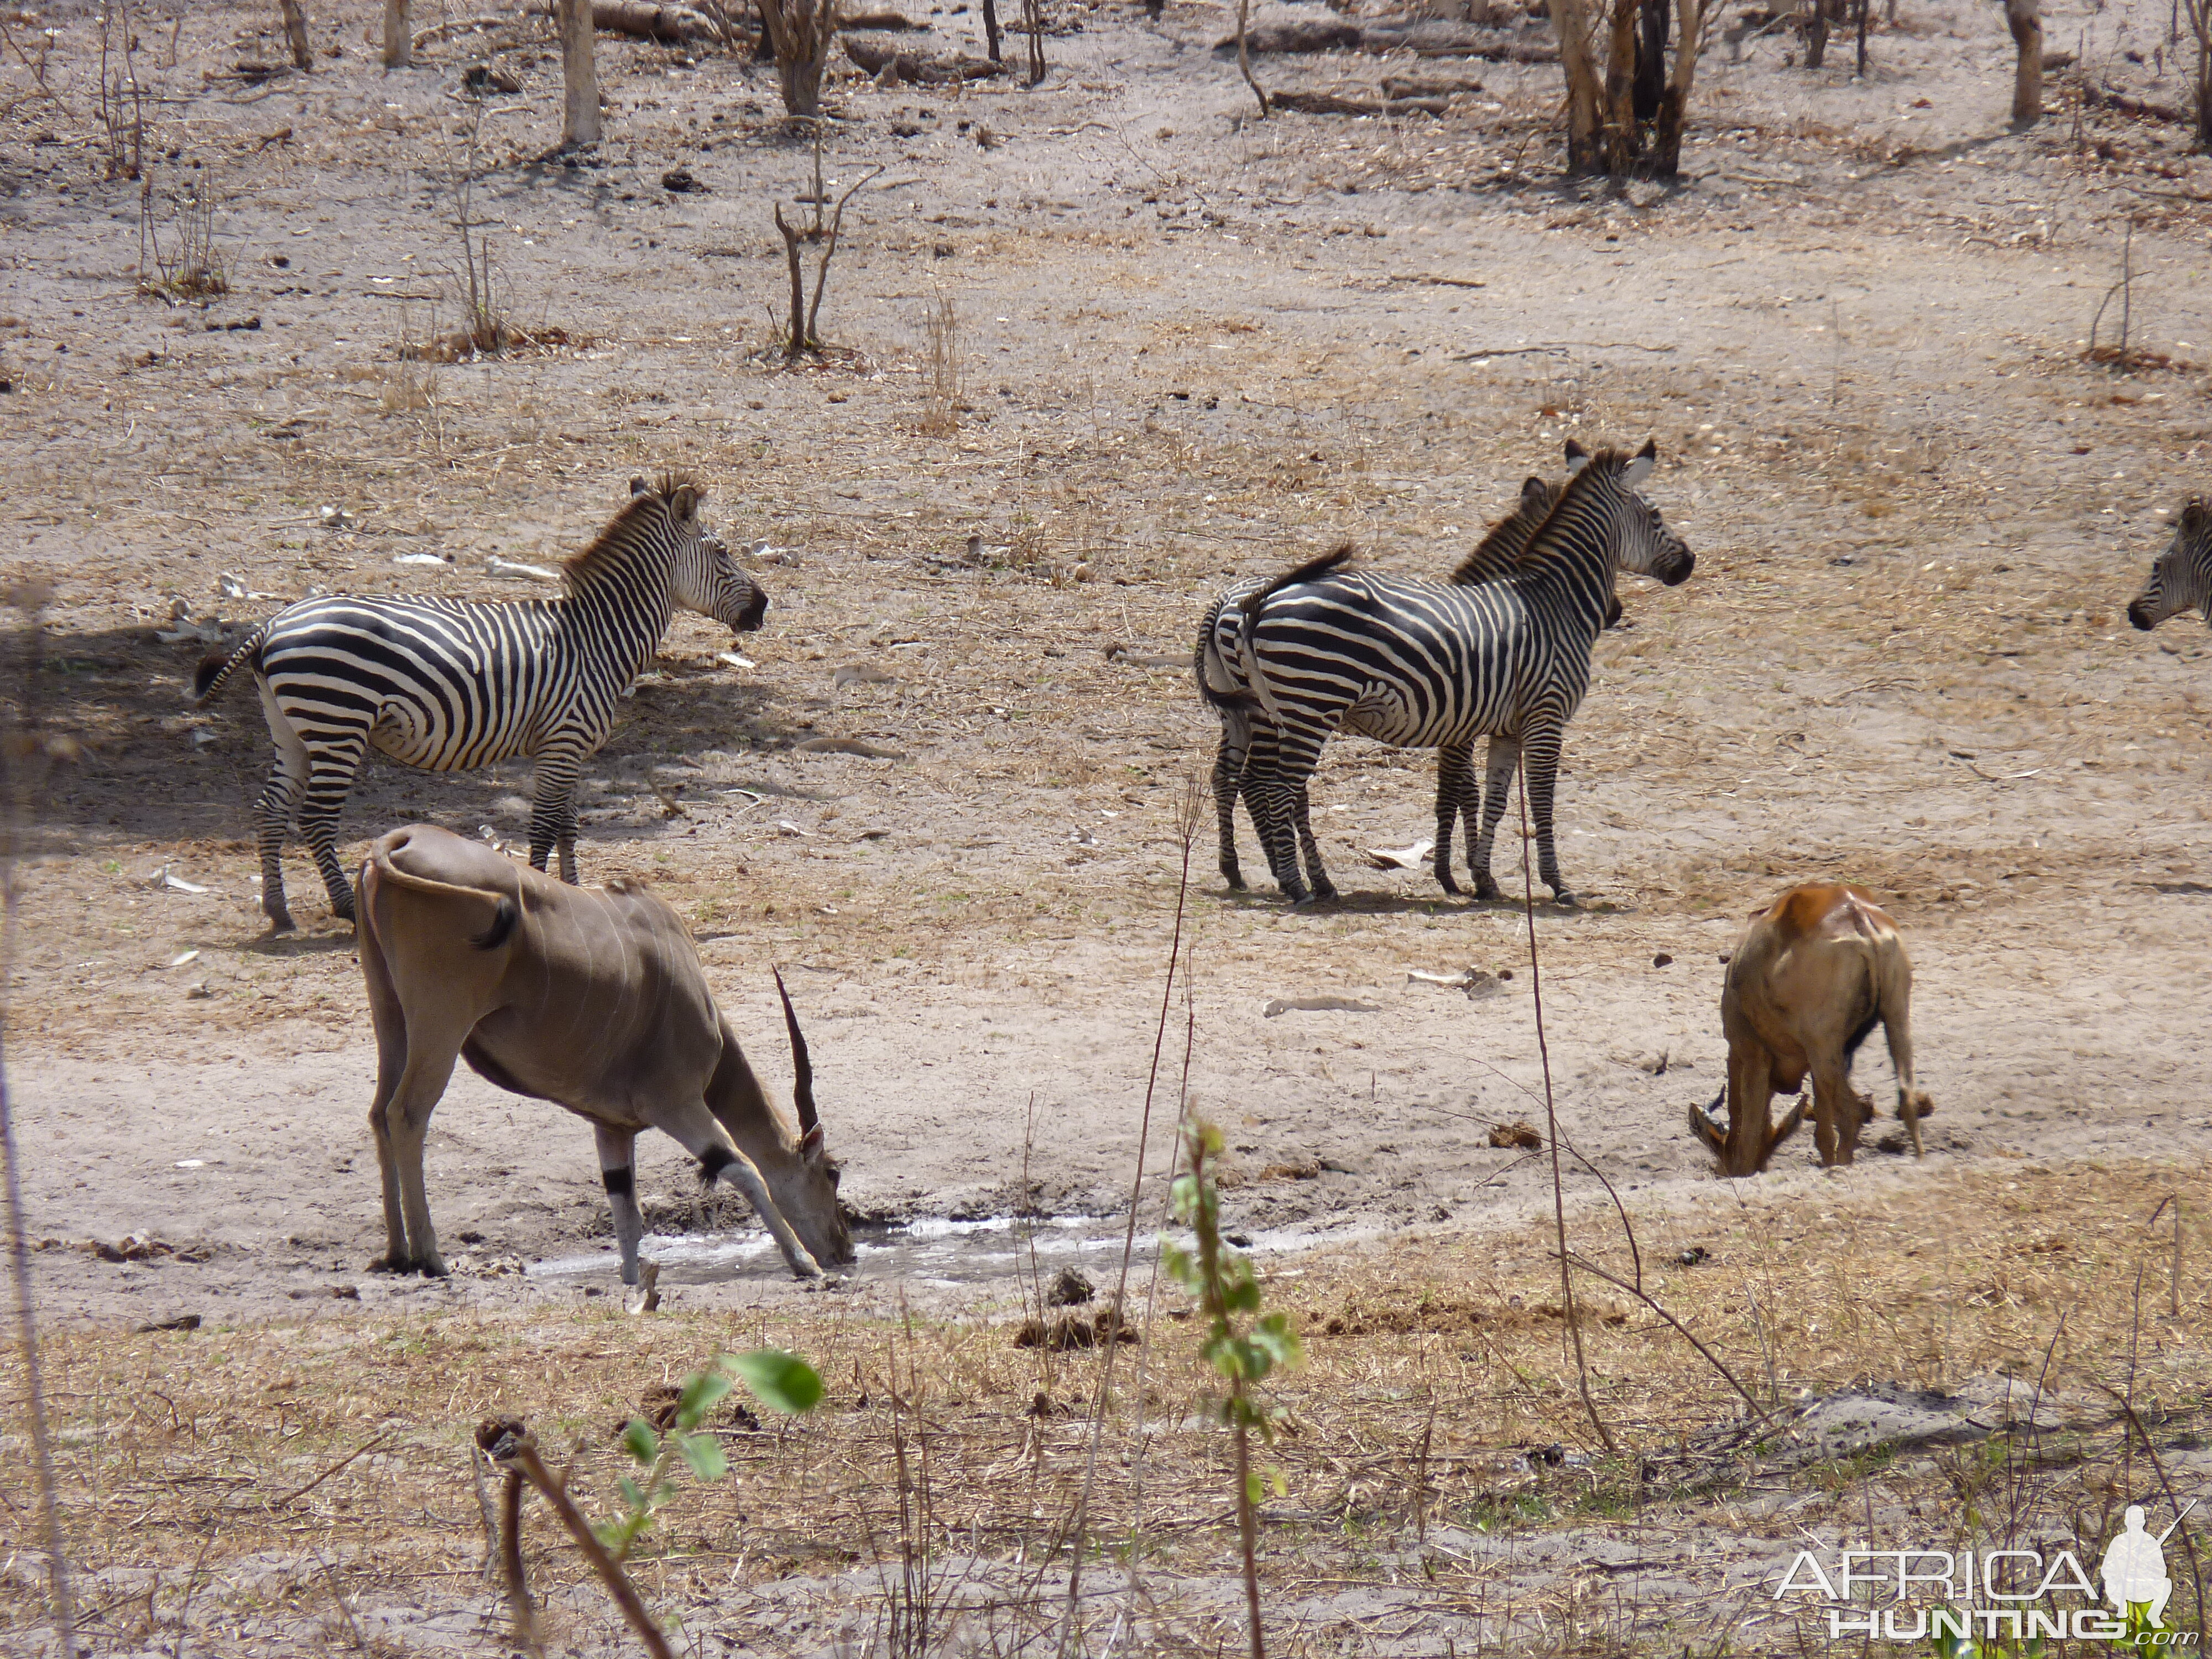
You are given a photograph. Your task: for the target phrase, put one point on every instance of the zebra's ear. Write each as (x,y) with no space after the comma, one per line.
(1535,494)
(1639,469)
(684,505)
(638,487)
(1578,457)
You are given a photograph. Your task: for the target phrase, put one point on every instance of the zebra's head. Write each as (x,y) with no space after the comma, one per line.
(1646,546)
(2181,578)
(704,577)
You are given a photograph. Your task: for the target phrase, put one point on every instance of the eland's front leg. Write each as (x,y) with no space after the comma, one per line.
(618,1172)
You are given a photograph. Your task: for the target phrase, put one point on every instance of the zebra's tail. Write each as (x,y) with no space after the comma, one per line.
(1252,604)
(216,668)
(1219,678)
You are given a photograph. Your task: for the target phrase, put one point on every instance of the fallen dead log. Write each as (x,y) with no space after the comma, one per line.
(1327,103)
(642,20)
(888,22)
(1295,33)
(1438,39)
(2099,97)
(1428,86)
(923,69)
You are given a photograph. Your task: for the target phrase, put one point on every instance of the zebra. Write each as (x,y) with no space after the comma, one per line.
(1419,663)
(451,684)
(1246,753)
(2181,577)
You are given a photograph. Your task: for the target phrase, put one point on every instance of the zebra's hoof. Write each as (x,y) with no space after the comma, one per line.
(1485,888)
(1234,877)
(1565,900)
(281,922)
(1444,881)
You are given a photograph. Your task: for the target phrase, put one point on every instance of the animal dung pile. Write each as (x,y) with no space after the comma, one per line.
(1067,1331)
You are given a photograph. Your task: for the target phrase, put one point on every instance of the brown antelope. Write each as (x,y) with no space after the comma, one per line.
(590,997)
(1812,974)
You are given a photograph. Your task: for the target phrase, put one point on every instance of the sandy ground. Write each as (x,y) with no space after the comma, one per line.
(1190,346)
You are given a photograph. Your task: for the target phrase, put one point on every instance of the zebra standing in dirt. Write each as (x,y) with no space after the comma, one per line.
(2181,577)
(1427,664)
(451,684)
(1248,752)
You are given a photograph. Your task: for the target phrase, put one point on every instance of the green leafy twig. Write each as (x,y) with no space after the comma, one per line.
(781,1380)
(1242,1345)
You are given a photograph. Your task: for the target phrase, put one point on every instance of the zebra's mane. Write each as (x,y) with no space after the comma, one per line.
(625,532)
(1606,462)
(1505,544)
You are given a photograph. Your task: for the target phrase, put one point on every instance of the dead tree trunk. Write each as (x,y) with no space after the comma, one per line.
(580,77)
(398,37)
(296,33)
(2021,17)
(1570,23)
(2200,25)
(991,29)
(1651,32)
(802,32)
(1675,101)
(1621,137)
(1816,36)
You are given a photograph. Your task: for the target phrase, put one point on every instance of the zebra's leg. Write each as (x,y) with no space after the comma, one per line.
(1229,763)
(1455,779)
(272,816)
(1504,761)
(553,809)
(1291,817)
(330,776)
(1324,890)
(1269,794)
(272,812)
(1541,748)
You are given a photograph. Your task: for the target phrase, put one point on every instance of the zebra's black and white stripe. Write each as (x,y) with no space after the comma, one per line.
(2181,577)
(451,684)
(1248,752)
(1430,664)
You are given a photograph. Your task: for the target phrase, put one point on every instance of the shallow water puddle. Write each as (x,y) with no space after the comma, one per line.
(932,1250)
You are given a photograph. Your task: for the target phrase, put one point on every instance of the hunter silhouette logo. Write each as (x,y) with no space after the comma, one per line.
(2000,1594)
(2134,1566)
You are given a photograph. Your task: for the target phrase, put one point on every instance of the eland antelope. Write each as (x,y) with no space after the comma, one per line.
(592,998)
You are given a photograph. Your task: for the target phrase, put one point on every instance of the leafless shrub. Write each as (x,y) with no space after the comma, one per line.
(122,99)
(802,339)
(183,263)
(943,418)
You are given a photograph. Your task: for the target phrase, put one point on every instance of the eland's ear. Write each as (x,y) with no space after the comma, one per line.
(810,1143)
(1578,457)
(1639,469)
(638,487)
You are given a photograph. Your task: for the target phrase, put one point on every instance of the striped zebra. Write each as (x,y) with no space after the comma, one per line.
(1418,663)
(2181,577)
(1248,752)
(451,684)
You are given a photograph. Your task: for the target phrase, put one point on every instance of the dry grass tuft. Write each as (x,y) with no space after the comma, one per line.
(942,419)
